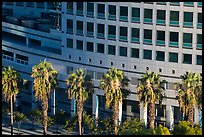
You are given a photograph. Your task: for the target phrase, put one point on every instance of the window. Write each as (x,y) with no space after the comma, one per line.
(199,41)
(101,11)
(135,14)
(187,40)
(101,31)
(69,26)
(123,65)
(90,73)
(111,32)
(123,33)
(147,54)
(100,61)
(199,25)
(79,44)
(147,15)
(187,58)
(199,4)
(135,67)
(174,39)
(79,58)
(80,8)
(147,36)
(90,29)
(161,15)
(70,70)
(123,13)
(70,7)
(160,37)
(199,60)
(134,53)
(111,63)
(80,27)
(123,51)
(19,3)
(173,71)
(70,56)
(160,70)
(135,35)
(69,43)
(188,3)
(111,49)
(90,46)
(173,57)
(160,56)
(188,19)
(112,12)
(174,18)
(99,75)
(21,59)
(100,48)
(90,9)
(147,68)
(7,55)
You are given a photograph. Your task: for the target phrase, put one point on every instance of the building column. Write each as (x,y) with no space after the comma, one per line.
(143,114)
(95,106)
(73,107)
(169,116)
(196,115)
(120,112)
(53,104)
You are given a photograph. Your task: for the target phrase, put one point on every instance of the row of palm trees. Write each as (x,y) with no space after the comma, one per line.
(114,83)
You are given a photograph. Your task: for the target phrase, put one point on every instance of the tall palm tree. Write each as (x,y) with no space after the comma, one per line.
(10,81)
(79,87)
(45,79)
(188,94)
(114,84)
(149,91)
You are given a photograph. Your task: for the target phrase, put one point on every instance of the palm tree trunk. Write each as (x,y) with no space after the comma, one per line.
(190,116)
(152,115)
(116,117)
(79,113)
(11,101)
(45,108)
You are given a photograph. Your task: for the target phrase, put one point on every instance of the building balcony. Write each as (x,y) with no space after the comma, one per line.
(160,42)
(80,32)
(174,44)
(111,17)
(101,35)
(70,30)
(7,57)
(147,41)
(70,11)
(199,46)
(123,18)
(174,23)
(187,45)
(135,40)
(79,12)
(111,36)
(135,19)
(199,25)
(147,20)
(90,14)
(101,16)
(162,22)
(188,24)
(123,38)
(90,34)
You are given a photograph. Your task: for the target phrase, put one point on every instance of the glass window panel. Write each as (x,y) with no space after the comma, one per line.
(70,23)
(148,13)
(101,8)
(111,49)
(90,46)
(161,35)
(79,25)
(111,29)
(160,56)
(123,31)
(123,11)
(70,43)
(112,9)
(147,34)
(70,5)
(135,12)
(174,36)
(173,57)
(90,26)
(187,37)
(199,60)
(135,32)
(187,58)
(199,38)
(90,7)
(80,6)
(80,44)
(161,14)
(100,48)
(123,51)
(199,17)
(174,15)
(188,16)
(147,54)
(134,53)
(101,28)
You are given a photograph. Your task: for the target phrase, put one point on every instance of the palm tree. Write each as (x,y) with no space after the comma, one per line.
(149,91)
(189,92)
(114,84)
(45,79)
(10,81)
(79,86)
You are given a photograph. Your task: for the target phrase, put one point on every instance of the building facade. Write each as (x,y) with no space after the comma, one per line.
(165,37)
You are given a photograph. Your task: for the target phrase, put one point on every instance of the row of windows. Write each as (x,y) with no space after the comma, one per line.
(135,14)
(135,34)
(10,56)
(134,52)
(29,4)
